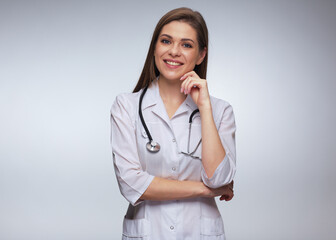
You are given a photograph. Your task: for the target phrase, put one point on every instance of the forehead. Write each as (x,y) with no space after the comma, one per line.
(179,30)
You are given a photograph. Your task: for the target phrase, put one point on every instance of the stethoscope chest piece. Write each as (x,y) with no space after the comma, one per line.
(153,146)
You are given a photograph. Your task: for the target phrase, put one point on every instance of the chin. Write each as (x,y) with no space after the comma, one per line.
(172,78)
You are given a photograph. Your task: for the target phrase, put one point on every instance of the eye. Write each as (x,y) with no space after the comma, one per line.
(187,45)
(165,41)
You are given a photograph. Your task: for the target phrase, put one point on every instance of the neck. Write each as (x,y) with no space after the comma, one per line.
(170,91)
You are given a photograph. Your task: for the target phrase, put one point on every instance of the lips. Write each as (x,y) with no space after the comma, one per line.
(173,62)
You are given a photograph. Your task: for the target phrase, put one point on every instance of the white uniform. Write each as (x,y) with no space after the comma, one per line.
(135,166)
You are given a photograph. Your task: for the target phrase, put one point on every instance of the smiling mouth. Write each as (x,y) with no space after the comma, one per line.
(173,63)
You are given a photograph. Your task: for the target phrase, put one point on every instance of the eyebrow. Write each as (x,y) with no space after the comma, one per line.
(170,37)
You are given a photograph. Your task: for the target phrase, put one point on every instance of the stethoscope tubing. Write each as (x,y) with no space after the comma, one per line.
(141,116)
(154,146)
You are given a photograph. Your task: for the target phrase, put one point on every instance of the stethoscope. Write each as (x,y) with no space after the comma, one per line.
(154,147)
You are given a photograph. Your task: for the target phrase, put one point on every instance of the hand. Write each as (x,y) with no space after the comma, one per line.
(226,192)
(197,88)
(226,197)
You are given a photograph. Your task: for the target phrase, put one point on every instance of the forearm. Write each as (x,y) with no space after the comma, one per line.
(162,189)
(213,151)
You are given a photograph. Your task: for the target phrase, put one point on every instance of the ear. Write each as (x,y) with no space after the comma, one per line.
(201,56)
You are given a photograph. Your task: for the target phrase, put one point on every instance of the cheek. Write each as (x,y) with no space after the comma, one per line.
(156,61)
(159,52)
(192,58)
(158,49)
(156,56)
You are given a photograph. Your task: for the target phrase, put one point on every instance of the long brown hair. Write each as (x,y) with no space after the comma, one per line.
(196,21)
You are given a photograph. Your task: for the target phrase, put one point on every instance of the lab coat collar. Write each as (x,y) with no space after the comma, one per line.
(187,106)
(153,99)
(190,103)
(152,95)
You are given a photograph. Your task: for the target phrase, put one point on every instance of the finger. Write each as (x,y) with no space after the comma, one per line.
(184,85)
(190,84)
(189,74)
(194,83)
(230,198)
(224,197)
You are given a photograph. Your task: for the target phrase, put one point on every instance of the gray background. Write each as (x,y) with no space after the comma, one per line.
(63,62)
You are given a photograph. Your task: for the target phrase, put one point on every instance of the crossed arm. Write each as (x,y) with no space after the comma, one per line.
(162,189)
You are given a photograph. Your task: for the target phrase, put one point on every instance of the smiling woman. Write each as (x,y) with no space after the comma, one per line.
(177,51)
(170,188)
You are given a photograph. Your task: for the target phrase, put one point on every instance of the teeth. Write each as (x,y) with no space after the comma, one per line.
(173,63)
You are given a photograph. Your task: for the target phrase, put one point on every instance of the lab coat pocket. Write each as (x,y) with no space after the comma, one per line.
(136,229)
(212,228)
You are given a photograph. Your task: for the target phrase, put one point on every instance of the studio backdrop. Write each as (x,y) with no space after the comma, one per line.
(62,63)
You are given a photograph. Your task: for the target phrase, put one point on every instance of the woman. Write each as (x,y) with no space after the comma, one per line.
(171,171)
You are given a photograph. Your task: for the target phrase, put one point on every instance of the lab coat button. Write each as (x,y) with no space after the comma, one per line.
(171,227)
(173,168)
(174,140)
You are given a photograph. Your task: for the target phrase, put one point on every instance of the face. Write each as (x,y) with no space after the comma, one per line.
(177,51)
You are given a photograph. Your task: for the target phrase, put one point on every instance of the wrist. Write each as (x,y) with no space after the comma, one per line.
(205,108)
(203,190)
(205,113)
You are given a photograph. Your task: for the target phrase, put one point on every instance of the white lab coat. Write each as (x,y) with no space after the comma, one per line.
(135,166)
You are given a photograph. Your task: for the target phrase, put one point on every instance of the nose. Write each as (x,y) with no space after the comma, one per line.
(175,50)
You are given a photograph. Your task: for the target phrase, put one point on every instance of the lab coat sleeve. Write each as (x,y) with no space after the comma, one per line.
(132,180)
(226,170)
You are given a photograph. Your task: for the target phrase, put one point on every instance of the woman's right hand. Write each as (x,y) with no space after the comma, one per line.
(226,192)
